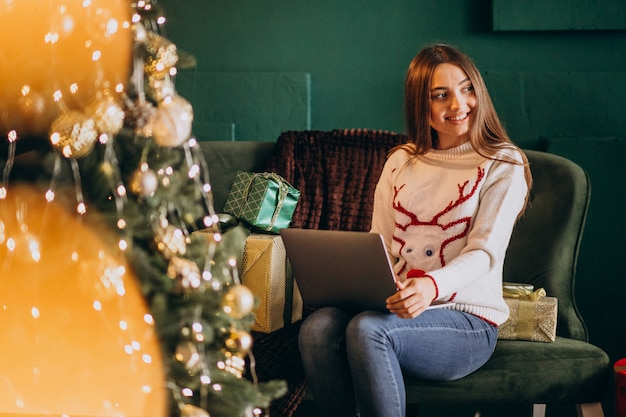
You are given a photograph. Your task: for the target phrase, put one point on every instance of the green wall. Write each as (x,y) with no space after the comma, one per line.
(325,64)
(545,83)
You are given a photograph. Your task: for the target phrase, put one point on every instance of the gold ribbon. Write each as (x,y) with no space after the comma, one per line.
(526,320)
(525,310)
(523,294)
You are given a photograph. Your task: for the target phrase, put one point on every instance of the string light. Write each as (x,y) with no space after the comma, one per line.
(194,170)
(49,195)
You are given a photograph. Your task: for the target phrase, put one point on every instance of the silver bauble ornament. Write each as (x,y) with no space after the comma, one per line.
(171,125)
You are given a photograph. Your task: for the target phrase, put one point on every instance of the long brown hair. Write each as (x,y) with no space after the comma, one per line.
(486,134)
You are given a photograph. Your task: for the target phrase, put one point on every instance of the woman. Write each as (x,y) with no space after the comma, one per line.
(445,204)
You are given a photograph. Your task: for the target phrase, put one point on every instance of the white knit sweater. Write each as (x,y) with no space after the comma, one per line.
(450,213)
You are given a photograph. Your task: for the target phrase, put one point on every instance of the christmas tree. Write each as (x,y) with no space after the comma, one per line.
(131,156)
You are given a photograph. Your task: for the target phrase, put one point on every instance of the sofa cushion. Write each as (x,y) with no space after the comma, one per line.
(565,371)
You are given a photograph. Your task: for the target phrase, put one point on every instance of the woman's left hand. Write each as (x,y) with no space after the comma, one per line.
(414,295)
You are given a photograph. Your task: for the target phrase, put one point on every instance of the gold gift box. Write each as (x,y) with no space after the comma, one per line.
(267,273)
(532,315)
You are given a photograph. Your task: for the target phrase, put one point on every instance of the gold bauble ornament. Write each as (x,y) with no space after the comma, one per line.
(185,274)
(171,241)
(234,363)
(73,134)
(162,54)
(55,47)
(144,182)
(107,113)
(171,125)
(239,341)
(238,301)
(80,340)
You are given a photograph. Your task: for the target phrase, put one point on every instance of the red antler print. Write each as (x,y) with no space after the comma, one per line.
(414,221)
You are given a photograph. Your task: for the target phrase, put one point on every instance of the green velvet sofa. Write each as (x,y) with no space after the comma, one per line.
(543,252)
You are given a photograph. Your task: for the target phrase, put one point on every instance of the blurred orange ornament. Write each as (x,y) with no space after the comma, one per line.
(59,50)
(78,339)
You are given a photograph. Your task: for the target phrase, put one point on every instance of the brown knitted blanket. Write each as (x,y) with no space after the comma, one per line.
(336,173)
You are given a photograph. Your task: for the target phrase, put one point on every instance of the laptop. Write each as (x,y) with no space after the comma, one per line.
(343,269)
(350,270)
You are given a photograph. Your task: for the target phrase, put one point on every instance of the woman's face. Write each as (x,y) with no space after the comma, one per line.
(452,104)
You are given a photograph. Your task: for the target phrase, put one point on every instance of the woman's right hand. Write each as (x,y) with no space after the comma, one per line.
(413,297)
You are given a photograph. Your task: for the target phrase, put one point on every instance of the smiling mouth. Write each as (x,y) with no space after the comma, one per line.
(459,117)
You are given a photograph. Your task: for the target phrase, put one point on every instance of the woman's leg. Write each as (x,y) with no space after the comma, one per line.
(438,345)
(322,347)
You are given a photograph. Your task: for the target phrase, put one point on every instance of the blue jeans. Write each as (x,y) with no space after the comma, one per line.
(354,363)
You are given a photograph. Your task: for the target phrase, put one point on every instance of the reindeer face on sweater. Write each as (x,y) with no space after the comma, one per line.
(438,236)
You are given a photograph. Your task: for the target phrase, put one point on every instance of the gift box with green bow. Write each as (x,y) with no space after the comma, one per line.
(265,200)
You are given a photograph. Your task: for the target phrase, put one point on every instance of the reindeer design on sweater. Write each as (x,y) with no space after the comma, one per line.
(439,232)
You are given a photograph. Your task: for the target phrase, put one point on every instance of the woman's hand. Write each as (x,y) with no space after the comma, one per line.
(414,295)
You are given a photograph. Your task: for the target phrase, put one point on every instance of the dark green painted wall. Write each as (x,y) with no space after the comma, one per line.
(357,52)
(569,86)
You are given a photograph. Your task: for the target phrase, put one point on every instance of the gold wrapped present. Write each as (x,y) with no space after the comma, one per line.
(267,272)
(532,315)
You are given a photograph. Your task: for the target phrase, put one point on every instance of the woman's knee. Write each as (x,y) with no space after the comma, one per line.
(365,326)
(323,325)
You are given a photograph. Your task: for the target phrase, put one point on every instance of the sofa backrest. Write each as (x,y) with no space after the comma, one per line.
(225,158)
(546,240)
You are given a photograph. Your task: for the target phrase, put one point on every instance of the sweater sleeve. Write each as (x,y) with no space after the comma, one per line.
(501,200)
(383,219)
